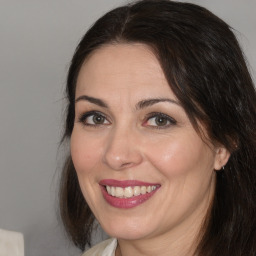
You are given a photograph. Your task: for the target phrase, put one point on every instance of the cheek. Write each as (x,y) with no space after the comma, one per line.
(181,157)
(187,173)
(85,153)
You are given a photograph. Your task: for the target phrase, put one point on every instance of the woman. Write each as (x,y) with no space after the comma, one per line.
(161,120)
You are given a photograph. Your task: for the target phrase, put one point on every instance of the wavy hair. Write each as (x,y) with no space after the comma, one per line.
(205,68)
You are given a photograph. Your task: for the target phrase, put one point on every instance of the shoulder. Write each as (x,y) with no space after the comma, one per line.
(105,248)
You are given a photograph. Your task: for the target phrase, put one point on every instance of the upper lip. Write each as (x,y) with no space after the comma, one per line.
(125,183)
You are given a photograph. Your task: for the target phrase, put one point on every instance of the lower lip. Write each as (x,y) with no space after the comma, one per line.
(126,203)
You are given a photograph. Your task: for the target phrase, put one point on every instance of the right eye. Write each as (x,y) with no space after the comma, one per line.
(93,119)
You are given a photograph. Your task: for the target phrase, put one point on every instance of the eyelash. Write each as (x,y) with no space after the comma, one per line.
(171,121)
(83,117)
(168,119)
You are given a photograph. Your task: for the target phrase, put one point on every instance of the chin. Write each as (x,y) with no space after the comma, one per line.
(128,230)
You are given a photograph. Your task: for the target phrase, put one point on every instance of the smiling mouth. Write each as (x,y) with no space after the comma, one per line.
(128,192)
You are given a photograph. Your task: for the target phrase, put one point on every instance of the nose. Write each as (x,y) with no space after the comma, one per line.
(122,150)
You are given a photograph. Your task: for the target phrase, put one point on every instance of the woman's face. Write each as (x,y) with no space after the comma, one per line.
(142,168)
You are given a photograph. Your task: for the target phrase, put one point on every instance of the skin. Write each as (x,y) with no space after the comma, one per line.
(130,145)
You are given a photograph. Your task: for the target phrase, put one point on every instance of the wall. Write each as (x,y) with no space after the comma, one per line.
(37,40)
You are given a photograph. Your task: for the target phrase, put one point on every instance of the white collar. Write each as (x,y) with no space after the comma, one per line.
(110,249)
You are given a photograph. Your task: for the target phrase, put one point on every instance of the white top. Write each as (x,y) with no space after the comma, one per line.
(105,248)
(11,243)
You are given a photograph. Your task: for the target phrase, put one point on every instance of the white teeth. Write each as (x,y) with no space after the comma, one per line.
(113,191)
(119,192)
(143,190)
(136,191)
(128,192)
(149,189)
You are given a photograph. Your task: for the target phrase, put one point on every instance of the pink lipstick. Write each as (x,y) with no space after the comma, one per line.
(127,193)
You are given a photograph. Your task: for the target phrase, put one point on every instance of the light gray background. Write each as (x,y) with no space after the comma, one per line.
(37,40)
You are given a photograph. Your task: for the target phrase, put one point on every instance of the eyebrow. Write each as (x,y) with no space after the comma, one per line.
(93,100)
(140,105)
(149,102)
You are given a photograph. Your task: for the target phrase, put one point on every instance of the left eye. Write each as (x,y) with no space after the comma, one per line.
(160,120)
(93,119)
(96,119)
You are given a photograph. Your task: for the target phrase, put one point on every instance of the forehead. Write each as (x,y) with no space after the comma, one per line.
(129,68)
(125,53)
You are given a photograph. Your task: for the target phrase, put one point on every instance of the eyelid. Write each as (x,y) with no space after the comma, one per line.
(83,116)
(159,114)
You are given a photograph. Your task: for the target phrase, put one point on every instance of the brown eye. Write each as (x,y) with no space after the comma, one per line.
(93,118)
(98,119)
(161,121)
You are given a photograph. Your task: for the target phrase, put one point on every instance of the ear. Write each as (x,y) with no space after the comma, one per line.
(221,157)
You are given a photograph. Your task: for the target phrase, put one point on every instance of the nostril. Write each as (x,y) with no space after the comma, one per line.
(126,164)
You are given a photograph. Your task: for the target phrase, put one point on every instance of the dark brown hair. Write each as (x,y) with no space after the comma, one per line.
(205,68)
